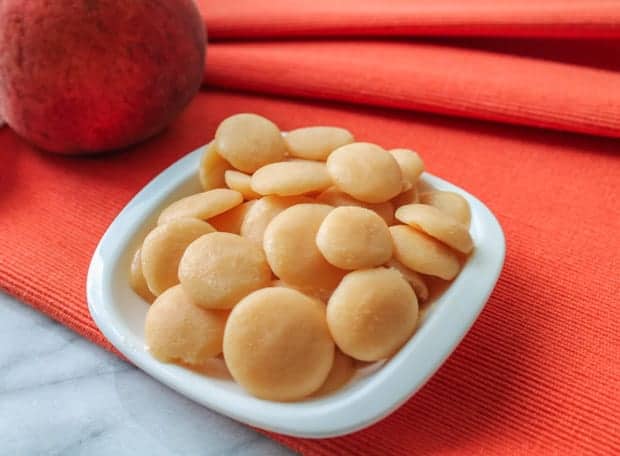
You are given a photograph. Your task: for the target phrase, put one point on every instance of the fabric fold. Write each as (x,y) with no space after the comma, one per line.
(363,18)
(438,78)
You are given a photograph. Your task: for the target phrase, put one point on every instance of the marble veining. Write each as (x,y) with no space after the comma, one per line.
(78,399)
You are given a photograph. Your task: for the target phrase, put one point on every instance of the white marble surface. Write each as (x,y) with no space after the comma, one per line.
(62,395)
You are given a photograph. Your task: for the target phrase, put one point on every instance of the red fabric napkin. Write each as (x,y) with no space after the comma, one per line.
(433,77)
(562,84)
(236,19)
(539,372)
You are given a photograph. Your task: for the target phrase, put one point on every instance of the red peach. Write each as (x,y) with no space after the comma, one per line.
(80,76)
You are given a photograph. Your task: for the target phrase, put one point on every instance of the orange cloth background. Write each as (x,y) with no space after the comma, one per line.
(540,370)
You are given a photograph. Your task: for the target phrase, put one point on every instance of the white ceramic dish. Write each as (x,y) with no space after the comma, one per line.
(372,395)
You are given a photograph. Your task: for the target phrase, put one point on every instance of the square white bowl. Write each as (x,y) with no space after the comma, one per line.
(374,393)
